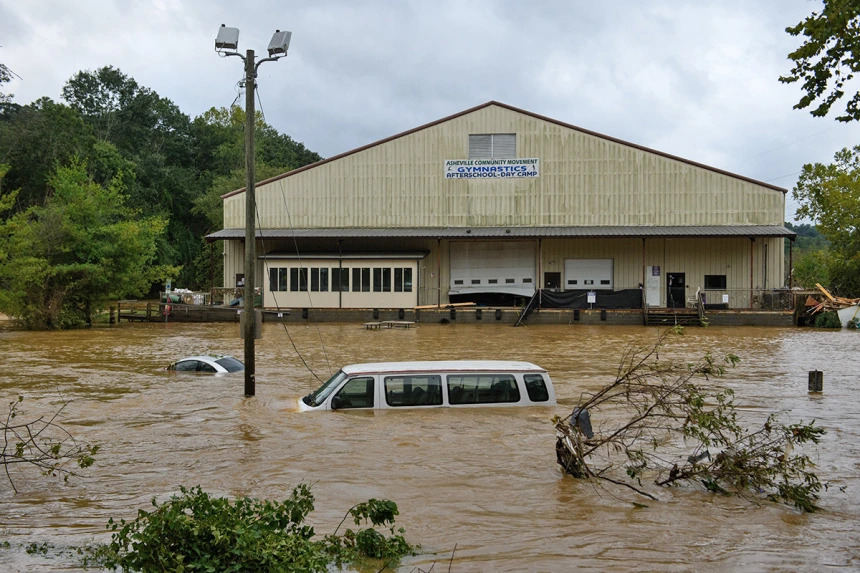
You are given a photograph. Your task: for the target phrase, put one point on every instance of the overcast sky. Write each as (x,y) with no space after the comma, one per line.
(697,79)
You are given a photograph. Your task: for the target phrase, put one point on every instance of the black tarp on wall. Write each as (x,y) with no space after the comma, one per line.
(627,298)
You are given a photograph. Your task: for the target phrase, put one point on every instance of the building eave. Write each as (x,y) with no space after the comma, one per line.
(605,232)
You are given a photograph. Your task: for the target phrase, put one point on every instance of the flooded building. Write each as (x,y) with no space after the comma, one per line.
(493,204)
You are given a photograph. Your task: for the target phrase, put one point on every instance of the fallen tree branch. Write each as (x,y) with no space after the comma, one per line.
(42,443)
(663,420)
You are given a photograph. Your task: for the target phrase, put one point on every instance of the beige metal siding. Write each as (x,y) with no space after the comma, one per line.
(584,180)
(693,257)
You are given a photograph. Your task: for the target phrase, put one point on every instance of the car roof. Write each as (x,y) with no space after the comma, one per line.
(443,365)
(205,357)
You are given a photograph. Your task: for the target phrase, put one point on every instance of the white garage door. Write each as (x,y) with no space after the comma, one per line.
(499,266)
(588,274)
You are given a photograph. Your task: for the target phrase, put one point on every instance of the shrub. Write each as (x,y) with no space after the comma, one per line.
(196,532)
(828,319)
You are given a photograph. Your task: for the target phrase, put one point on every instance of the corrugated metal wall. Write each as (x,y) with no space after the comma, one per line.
(693,257)
(584,180)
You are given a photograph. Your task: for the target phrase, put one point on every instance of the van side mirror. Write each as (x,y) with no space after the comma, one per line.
(336,403)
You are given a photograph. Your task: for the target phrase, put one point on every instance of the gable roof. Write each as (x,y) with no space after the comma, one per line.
(517,110)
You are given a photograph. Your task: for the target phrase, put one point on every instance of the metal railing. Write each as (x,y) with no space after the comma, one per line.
(755,299)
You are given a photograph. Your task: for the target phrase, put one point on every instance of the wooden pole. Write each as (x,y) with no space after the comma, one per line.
(816,381)
(250,232)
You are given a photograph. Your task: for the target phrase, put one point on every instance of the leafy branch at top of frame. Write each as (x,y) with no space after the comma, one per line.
(664,419)
(41,443)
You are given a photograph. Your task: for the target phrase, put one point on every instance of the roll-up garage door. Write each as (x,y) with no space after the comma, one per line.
(493,267)
(590,274)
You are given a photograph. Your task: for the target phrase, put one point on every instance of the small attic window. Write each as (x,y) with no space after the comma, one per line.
(493,146)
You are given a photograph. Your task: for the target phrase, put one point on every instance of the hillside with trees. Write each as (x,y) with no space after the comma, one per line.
(164,173)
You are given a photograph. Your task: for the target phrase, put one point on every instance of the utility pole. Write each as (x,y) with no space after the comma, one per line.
(228,39)
(249,324)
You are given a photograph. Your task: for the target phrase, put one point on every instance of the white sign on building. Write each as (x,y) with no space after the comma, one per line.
(491,168)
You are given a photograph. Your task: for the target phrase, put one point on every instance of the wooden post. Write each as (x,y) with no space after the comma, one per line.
(112,318)
(250,227)
(816,381)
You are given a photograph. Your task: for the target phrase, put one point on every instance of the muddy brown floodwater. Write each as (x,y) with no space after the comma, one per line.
(482,480)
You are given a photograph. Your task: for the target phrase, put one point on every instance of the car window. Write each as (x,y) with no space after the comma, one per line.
(185,366)
(357,393)
(230,364)
(536,387)
(482,389)
(206,367)
(420,390)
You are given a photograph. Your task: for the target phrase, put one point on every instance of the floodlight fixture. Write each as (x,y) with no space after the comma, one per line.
(227,39)
(279,43)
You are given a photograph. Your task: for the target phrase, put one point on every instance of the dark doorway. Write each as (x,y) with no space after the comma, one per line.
(675,290)
(552,280)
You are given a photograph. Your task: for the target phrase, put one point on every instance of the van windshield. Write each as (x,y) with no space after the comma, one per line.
(318,397)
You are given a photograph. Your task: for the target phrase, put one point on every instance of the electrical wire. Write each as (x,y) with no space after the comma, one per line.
(301,268)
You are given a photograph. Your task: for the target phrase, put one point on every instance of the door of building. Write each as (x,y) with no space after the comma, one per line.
(675,290)
(552,280)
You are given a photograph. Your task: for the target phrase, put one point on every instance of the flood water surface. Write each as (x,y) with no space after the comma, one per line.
(481,484)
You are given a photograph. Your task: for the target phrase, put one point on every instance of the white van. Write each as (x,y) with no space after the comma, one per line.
(433,384)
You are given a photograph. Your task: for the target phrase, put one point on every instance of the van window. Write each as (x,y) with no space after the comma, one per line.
(421,390)
(536,387)
(357,393)
(482,389)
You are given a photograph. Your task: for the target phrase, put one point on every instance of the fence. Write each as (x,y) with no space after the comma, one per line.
(755,299)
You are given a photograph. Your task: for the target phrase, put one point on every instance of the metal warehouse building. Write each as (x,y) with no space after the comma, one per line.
(493,203)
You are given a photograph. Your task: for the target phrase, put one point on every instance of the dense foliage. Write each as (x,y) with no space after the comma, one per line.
(61,261)
(196,532)
(809,256)
(828,58)
(830,195)
(170,168)
(663,421)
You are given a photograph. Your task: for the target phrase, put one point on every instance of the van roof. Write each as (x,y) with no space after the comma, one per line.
(443,365)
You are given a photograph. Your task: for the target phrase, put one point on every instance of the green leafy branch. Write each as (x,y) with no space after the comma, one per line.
(42,443)
(196,532)
(676,428)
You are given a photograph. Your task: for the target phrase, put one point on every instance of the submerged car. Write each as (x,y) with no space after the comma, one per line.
(433,384)
(215,363)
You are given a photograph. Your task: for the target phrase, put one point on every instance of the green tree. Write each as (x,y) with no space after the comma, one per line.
(158,139)
(64,261)
(830,196)
(5,77)
(828,58)
(811,268)
(34,140)
(223,132)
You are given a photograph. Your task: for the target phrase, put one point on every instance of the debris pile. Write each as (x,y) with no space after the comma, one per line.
(846,308)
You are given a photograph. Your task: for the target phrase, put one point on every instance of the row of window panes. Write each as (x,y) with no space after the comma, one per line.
(492,281)
(589,281)
(426,390)
(316,279)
